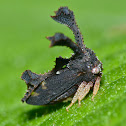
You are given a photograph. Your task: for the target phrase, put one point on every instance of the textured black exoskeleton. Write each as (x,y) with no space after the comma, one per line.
(73,76)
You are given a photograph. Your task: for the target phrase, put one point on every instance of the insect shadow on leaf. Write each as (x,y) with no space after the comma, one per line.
(73,76)
(40,111)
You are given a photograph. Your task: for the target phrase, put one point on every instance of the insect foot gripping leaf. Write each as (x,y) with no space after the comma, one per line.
(73,76)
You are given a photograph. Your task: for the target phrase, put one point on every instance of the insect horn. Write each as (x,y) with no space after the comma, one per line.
(60,39)
(66,16)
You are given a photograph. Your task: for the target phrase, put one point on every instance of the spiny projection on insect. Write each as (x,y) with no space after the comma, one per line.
(73,76)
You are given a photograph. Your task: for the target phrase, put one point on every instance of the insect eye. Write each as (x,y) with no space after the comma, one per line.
(96,70)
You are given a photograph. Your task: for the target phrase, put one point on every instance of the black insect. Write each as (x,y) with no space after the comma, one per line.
(74,76)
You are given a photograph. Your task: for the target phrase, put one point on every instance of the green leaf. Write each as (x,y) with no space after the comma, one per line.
(23,27)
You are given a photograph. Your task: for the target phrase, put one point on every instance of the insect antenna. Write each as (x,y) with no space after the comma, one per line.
(66,16)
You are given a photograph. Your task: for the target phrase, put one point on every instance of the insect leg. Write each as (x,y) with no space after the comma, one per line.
(84,92)
(75,98)
(96,87)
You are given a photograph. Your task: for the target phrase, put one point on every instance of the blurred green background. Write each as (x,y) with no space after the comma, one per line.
(24,25)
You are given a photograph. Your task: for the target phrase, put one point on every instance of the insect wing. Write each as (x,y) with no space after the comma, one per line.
(53,87)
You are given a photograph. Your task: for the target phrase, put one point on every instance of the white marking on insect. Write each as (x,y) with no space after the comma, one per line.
(57,72)
(88,66)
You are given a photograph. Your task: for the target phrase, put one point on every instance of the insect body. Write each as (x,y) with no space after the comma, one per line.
(73,76)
